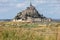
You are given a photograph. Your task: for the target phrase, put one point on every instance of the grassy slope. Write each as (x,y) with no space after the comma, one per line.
(28,31)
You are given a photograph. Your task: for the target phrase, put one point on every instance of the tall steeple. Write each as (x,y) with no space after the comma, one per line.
(30,3)
(31,6)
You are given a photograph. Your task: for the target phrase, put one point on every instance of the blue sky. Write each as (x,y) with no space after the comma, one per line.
(49,8)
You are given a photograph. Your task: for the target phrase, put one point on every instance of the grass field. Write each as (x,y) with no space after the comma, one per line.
(29,31)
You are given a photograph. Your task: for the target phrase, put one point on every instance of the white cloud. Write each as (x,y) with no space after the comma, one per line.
(18,5)
(12,3)
(41,1)
(7,1)
(46,1)
(3,0)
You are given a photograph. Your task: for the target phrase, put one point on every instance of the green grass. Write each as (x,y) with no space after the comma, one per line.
(24,34)
(27,31)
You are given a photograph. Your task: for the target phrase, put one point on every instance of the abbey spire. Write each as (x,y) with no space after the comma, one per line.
(30,4)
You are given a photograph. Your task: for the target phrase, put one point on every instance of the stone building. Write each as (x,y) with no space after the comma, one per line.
(29,14)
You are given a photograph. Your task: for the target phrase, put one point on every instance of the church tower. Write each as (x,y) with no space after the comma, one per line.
(30,4)
(30,13)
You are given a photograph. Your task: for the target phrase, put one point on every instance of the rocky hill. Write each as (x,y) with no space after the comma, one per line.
(30,14)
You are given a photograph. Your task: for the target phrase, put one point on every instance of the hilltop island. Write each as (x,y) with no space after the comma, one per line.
(30,14)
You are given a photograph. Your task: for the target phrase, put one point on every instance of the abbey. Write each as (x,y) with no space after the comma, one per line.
(30,14)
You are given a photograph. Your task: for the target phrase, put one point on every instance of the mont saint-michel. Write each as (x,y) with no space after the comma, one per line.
(31,23)
(30,14)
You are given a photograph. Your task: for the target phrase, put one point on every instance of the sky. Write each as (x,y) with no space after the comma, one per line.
(10,8)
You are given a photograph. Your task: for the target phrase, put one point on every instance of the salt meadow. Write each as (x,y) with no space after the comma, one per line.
(29,31)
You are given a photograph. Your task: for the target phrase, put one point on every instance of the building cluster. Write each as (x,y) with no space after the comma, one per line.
(30,14)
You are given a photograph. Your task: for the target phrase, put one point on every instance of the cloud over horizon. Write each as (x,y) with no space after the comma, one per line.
(45,6)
